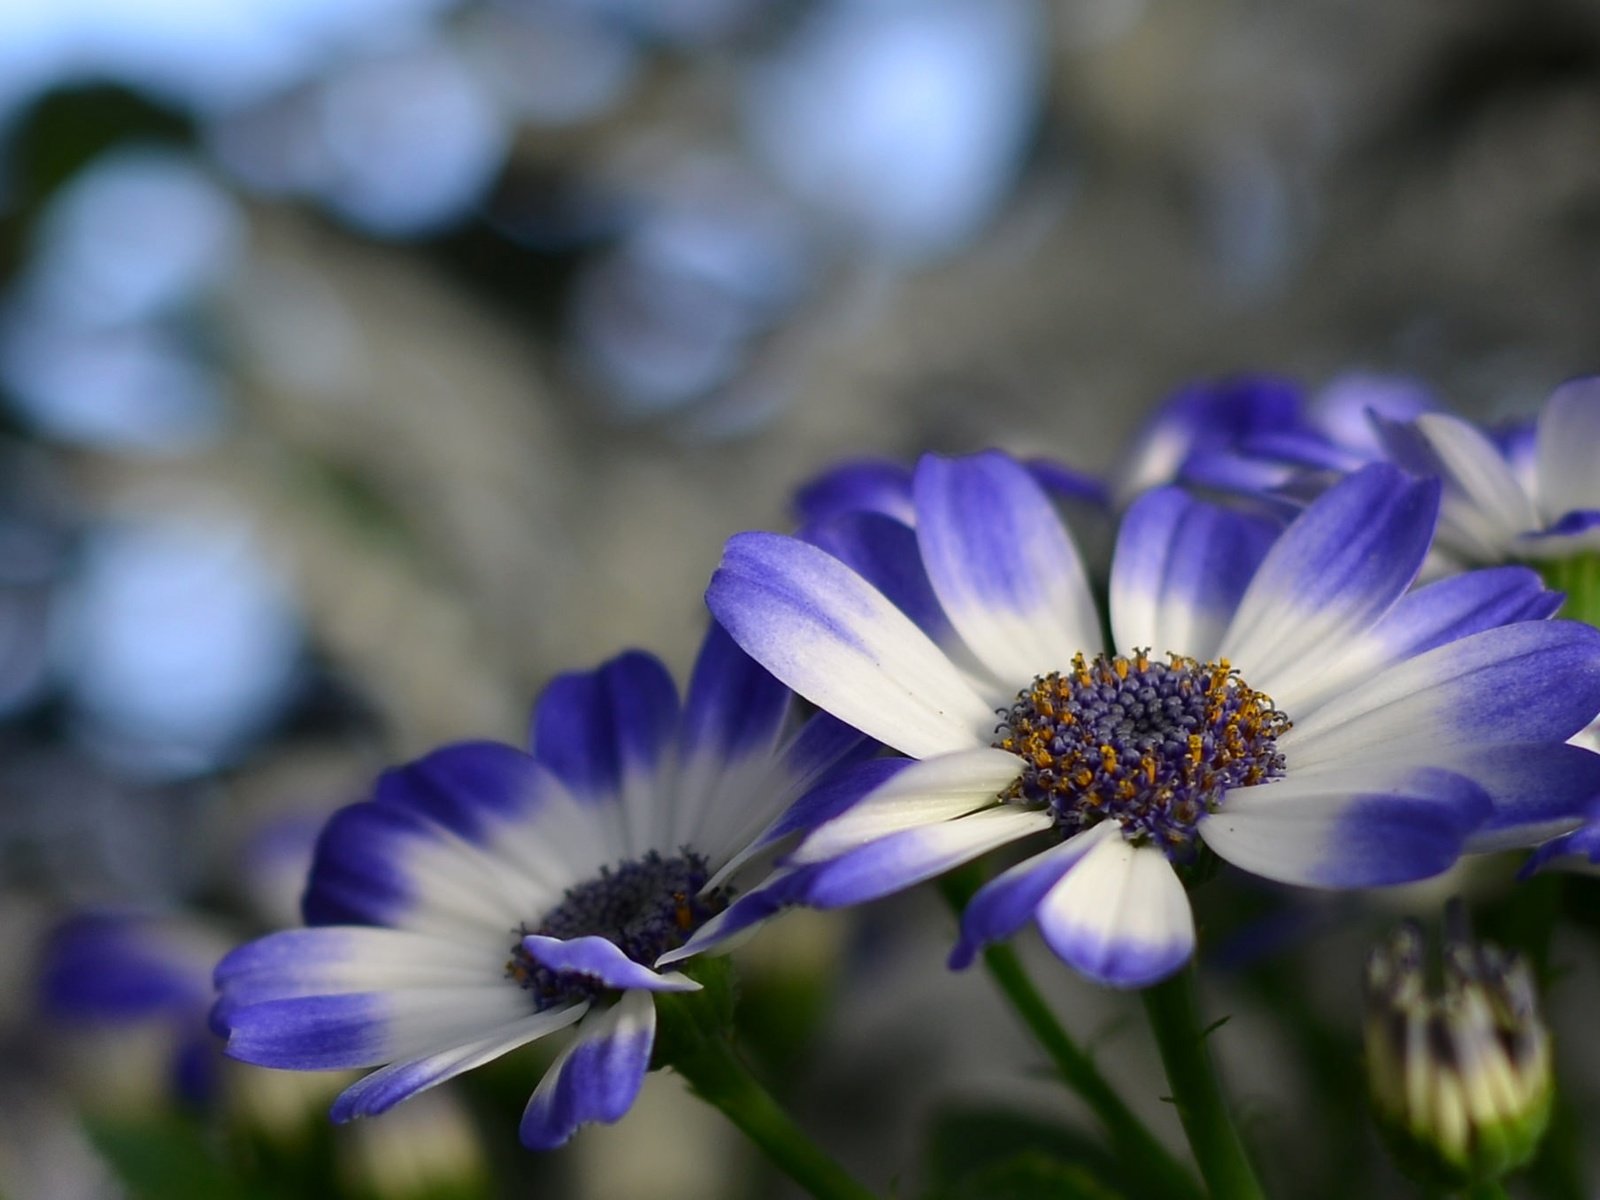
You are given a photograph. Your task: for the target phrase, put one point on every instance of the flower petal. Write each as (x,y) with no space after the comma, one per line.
(606,734)
(1578,851)
(1008,901)
(602,960)
(383,1089)
(894,863)
(388,864)
(1529,682)
(1180,568)
(378,864)
(1366,827)
(781,890)
(335,959)
(932,791)
(1003,565)
(1483,506)
(885,553)
(597,1077)
(1538,791)
(735,708)
(836,640)
(1423,619)
(865,485)
(365,1029)
(1569,447)
(1331,575)
(1119,916)
(469,788)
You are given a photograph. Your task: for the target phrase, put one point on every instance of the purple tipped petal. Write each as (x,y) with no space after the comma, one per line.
(366,1029)
(839,642)
(603,961)
(1002,564)
(1529,682)
(1180,567)
(597,1077)
(1422,620)
(311,1033)
(382,1090)
(834,796)
(1461,605)
(1119,916)
(900,860)
(1577,851)
(1332,574)
(1008,902)
(358,874)
(869,485)
(1202,417)
(780,891)
(823,744)
(596,729)
(112,967)
(1366,827)
(467,788)
(1537,791)
(1066,483)
(885,553)
(734,706)
(1572,524)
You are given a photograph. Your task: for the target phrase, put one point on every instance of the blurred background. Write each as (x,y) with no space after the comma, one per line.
(365,362)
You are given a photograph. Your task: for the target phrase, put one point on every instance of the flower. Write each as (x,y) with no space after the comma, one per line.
(1283,700)
(1528,492)
(486,896)
(1461,1080)
(143,975)
(1257,436)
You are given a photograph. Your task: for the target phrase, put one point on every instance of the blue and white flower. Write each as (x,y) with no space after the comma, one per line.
(1529,492)
(143,976)
(1282,699)
(1260,436)
(486,896)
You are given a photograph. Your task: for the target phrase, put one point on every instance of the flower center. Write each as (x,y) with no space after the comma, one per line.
(1152,745)
(645,907)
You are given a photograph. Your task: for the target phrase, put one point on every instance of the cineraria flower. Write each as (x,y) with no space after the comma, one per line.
(485,896)
(140,974)
(1283,700)
(1257,436)
(1524,493)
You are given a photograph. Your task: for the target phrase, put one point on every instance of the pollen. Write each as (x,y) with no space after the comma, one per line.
(1152,745)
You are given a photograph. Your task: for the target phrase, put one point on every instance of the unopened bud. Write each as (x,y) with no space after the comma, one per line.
(1460,1077)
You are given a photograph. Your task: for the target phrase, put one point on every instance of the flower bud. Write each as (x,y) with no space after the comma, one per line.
(1460,1077)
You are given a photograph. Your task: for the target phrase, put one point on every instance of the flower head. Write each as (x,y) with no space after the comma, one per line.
(1282,699)
(1461,1079)
(486,896)
(1258,436)
(1529,492)
(141,974)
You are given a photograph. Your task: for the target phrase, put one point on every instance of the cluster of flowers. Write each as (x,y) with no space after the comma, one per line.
(1267,682)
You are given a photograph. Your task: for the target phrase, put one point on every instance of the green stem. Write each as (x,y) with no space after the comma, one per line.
(719,1076)
(1139,1149)
(1197,1092)
(1488,1189)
